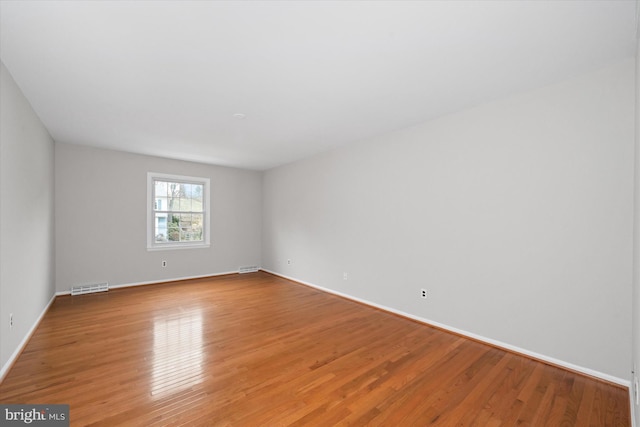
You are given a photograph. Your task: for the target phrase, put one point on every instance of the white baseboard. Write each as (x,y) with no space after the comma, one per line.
(155,282)
(25,340)
(509,347)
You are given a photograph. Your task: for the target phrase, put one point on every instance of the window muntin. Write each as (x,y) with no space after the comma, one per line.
(178,211)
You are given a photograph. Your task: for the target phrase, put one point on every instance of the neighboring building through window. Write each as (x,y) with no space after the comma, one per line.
(178,211)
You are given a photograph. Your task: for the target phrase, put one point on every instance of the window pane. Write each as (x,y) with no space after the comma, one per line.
(160,227)
(196,201)
(185,227)
(198,227)
(186,207)
(173,228)
(185,204)
(160,192)
(173,196)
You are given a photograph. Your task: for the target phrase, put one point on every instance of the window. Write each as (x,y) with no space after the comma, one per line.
(177,211)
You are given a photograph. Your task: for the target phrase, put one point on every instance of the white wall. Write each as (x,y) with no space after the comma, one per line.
(516,216)
(101,219)
(26,218)
(636,236)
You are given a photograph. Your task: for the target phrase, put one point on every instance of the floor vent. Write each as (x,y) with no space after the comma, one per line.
(248,269)
(89,289)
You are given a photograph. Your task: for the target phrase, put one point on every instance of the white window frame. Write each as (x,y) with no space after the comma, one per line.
(152,245)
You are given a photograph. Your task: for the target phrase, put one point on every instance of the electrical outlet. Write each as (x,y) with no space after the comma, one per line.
(11,320)
(345,276)
(423,293)
(288,262)
(164,263)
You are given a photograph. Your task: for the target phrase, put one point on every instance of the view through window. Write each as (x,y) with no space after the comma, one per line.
(179,211)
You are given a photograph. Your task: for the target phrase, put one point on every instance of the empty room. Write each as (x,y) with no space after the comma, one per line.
(320,213)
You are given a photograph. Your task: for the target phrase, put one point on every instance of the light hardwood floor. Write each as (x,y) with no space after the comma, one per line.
(258,350)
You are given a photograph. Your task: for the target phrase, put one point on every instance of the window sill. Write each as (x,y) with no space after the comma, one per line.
(178,246)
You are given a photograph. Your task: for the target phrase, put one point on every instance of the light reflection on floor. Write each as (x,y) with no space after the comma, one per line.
(177,353)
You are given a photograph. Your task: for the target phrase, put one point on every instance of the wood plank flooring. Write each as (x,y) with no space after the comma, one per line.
(258,350)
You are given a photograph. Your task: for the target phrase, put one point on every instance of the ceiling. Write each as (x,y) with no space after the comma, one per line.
(166,78)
